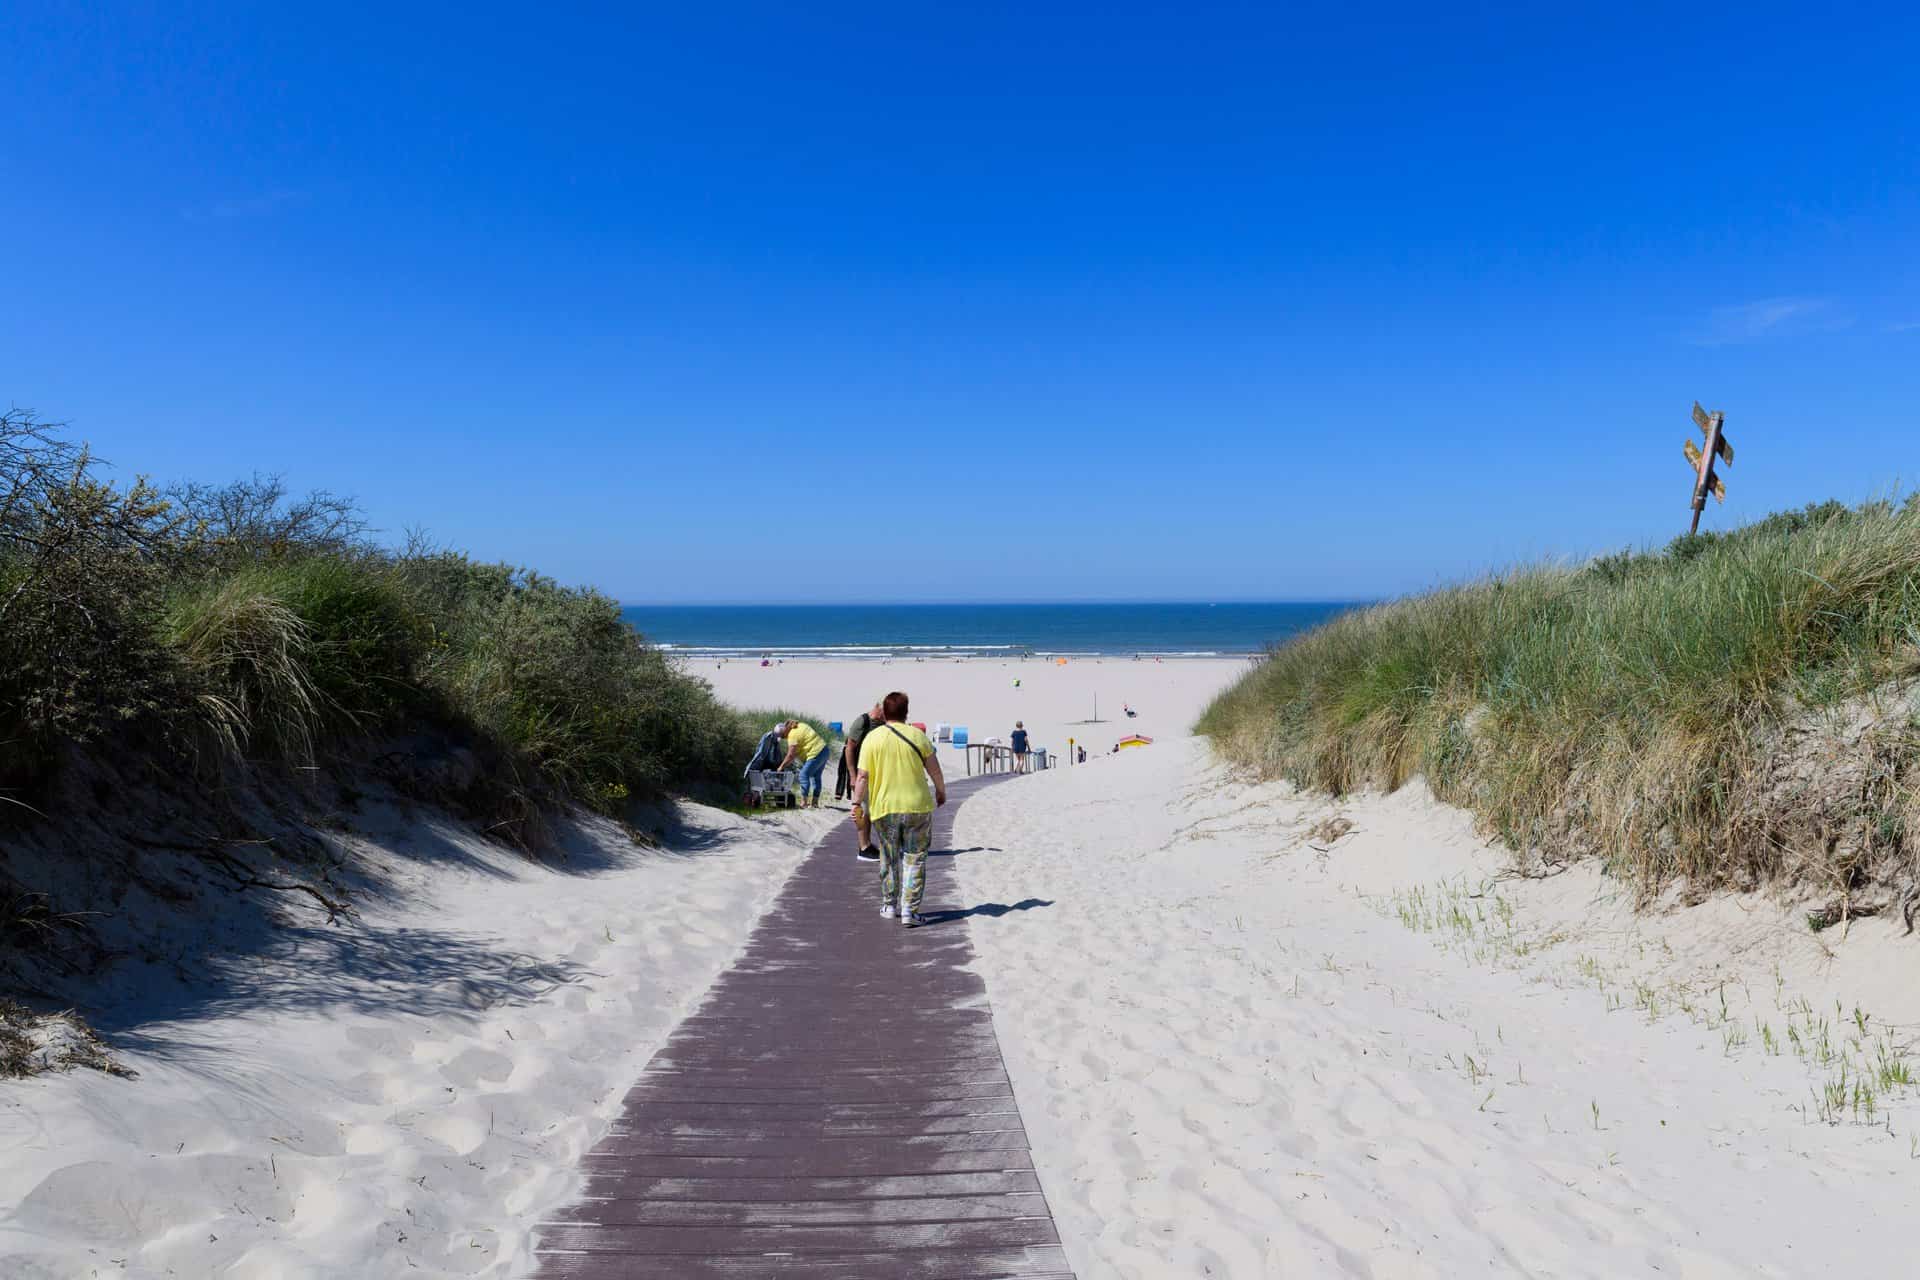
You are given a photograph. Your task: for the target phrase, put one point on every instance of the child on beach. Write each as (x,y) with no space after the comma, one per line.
(890,792)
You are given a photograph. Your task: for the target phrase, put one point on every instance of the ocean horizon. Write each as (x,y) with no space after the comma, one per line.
(1104,629)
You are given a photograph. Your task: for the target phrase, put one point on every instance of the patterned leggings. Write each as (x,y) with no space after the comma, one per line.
(904,839)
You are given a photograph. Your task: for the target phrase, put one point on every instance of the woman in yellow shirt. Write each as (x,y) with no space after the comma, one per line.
(896,763)
(807,746)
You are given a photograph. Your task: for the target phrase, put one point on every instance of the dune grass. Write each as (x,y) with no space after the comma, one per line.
(240,628)
(1634,707)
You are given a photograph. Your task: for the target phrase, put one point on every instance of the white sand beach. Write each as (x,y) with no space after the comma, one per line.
(1084,699)
(1242,1048)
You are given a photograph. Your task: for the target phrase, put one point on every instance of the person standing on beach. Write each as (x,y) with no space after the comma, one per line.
(1019,746)
(896,763)
(863,724)
(810,749)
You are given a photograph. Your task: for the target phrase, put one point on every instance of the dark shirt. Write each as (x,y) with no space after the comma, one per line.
(861,726)
(767,754)
(1019,741)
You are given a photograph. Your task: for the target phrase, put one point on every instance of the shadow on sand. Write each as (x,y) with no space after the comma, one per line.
(991,910)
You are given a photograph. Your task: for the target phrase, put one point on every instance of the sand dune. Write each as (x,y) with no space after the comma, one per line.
(1233,1065)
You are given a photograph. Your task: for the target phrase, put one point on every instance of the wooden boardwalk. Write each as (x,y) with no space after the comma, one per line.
(836,1107)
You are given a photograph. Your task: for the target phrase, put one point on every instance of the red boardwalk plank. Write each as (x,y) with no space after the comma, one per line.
(836,1107)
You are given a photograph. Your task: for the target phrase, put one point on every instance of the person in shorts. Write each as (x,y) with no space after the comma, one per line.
(897,762)
(1019,746)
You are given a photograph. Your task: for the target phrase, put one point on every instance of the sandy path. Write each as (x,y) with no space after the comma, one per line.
(405,1095)
(1232,1066)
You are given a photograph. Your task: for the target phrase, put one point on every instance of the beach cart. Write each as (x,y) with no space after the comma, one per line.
(773,788)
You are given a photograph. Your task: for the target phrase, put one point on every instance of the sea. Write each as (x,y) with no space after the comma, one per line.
(1171,630)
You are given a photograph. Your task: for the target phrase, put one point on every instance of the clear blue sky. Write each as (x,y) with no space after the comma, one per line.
(1213,301)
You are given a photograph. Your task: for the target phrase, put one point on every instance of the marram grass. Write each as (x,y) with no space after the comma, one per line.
(1625,707)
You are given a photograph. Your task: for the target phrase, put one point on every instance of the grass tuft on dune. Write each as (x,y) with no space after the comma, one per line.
(239,628)
(1734,709)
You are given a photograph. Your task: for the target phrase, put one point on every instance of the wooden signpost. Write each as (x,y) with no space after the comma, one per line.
(1701,460)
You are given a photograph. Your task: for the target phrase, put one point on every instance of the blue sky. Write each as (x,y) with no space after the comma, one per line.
(745,302)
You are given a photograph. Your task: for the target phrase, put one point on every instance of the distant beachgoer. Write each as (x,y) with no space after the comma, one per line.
(842,778)
(896,762)
(1083,756)
(1131,713)
(863,724)
(810,750)
(1019,746)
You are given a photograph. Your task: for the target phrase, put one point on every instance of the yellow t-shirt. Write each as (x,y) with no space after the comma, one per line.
(806,743)
(897,779)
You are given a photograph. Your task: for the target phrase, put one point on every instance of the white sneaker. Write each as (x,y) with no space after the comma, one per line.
(889,911)
(912,919)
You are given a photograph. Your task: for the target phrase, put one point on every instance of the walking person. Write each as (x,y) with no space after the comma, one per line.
(1019,746)
(857,731)
(896,763)
(810,750)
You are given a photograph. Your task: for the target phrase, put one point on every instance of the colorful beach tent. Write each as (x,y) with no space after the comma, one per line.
(1135,740)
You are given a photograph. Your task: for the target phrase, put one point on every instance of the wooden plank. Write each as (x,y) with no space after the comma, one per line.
(706,1091)
(766,1213)
(614,1183)
(831,1111)
(828,1152)
(678,1123)
(726,1238)
(802,1162)
(1044,1262)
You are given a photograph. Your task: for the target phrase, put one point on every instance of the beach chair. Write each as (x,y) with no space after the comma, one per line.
(959,738)
(942,732)
(773,788)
